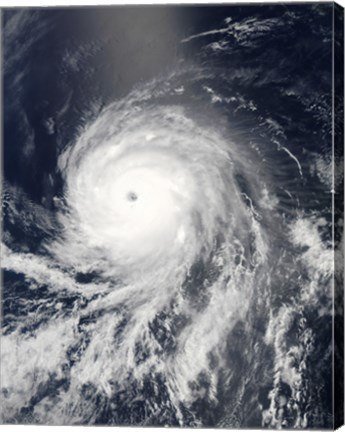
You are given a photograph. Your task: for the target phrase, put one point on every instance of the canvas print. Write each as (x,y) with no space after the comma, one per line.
(172,205)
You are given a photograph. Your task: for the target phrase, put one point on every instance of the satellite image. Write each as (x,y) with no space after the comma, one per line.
(172,228)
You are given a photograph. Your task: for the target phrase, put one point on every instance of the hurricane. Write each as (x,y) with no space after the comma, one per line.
(151,199)
(172,272)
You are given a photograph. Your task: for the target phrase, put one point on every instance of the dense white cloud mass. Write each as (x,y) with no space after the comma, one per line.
(149,188)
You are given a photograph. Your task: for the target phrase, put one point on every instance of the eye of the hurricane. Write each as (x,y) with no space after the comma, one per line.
(132,196)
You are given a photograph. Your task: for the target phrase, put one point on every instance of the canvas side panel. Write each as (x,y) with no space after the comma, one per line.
(339,215)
